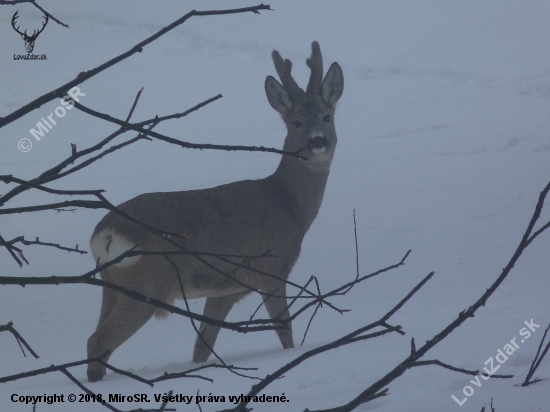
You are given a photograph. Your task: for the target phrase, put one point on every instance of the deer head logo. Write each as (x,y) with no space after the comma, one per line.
(29,40)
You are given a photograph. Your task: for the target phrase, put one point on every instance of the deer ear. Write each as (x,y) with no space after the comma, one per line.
(277,96)
(333,84)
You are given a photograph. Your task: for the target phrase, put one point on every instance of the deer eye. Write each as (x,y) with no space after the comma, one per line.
(297,124)
(326,118)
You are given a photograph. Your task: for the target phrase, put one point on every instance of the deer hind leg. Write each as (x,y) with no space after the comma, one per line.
(123,321)
(108,303)
(122,316)
(277,308)
(215,308)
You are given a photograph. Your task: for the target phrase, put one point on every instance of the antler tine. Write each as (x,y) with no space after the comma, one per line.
(315,63)
(37,32)
(13,22)
(44,24)
(284,68)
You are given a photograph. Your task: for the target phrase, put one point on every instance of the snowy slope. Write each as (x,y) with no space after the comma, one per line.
(444,146)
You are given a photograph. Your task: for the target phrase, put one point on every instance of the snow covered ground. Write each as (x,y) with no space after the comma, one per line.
(444,146)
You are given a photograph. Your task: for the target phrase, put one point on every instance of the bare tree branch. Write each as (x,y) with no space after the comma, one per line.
(10,179)
(462,317)
(354,336)
(88,204)
(197,332)
(41,371)
(190,373)
(138,48)
(134,105)
(163,406)
(33,2)
(243,327)
(10,249)
(455,369)
(13,2)
(21,239)
(20,341)
(185,145)
(86,390)
(49,15)
(537,360)
(179,115)
(54,173)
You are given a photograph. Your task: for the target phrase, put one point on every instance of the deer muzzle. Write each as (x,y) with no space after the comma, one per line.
(318,144)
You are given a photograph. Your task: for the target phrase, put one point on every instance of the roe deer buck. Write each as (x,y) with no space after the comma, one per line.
(250,217)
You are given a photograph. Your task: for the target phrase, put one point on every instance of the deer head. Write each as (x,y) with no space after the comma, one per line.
(309,114)
(29,40)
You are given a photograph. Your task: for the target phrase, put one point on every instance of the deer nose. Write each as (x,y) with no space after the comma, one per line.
(318,144)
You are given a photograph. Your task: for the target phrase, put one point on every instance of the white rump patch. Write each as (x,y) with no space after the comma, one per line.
(108,245)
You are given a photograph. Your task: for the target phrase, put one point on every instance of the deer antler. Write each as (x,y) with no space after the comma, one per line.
(284,68)
(36,33)
(315,63)
(13,19)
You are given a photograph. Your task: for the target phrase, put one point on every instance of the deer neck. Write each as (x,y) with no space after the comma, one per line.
(303,184)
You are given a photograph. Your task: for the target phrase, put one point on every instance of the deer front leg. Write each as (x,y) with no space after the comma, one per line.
(215,308)
(277,308)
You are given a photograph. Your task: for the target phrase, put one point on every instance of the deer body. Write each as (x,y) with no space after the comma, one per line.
(249,218)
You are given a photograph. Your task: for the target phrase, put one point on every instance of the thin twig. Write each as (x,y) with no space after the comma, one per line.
(86,390)
(88,204)
(262,304)
(187,373)
(185,145)
(49,15)
(309,323)
(134,104)
(33,2)
(179,115)
(356,255)
(10,250)
(455,369)
(197,332)
(163,406)
(38,242)
(537,360)
(198,403)
(10,179)
(20,341)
